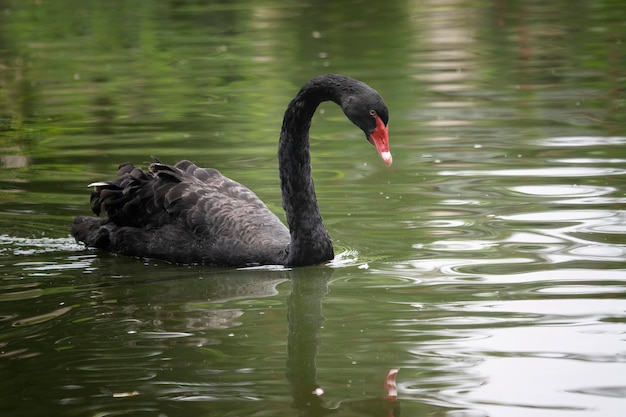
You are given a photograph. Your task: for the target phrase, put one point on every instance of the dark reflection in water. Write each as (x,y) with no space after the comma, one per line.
(305,318)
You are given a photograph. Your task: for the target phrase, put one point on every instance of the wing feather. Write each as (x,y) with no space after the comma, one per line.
(190,207)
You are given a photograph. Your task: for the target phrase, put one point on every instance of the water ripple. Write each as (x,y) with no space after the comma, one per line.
(579,141)
(558,190)
(41,318)
(543,172)
(30,246)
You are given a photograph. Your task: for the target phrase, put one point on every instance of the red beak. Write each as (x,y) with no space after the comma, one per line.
(380,139)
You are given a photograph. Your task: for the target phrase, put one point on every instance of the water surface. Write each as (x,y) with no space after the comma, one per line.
(487,264)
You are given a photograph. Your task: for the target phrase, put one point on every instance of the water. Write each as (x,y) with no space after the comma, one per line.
(487,264)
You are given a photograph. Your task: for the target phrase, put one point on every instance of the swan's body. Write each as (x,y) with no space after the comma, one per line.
(185,214)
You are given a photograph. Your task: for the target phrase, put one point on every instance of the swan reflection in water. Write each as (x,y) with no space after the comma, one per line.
(305,319)
(191,304)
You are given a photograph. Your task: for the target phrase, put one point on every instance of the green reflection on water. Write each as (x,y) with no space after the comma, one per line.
(507,131)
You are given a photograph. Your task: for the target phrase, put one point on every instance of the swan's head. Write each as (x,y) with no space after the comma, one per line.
(366,109)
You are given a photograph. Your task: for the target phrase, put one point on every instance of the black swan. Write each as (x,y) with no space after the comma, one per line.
(190,215)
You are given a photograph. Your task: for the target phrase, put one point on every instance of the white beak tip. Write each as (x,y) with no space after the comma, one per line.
(387,158)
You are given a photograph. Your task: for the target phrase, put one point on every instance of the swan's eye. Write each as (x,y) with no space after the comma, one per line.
(373,113)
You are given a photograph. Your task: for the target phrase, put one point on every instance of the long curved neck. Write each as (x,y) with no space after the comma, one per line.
(310,242)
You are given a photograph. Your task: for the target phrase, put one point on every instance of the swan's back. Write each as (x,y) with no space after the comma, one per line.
(182,214)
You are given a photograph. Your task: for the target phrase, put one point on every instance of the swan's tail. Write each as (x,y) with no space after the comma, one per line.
(118,200)
(91,231)
(133,200)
